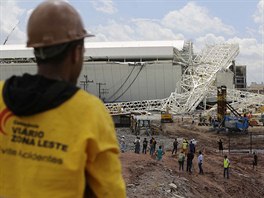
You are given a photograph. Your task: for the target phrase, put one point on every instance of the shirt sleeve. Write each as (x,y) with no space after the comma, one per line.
(104,176)
(103,167)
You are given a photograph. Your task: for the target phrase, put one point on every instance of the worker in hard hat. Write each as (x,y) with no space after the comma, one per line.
(56,139)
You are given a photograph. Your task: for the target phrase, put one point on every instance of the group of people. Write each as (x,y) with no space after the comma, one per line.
(146,145)
(227,162)
(187,151)
(152,145)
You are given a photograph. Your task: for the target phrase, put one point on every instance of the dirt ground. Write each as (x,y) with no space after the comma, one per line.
(146,177)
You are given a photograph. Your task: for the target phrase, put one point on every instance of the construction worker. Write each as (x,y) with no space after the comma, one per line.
(220,146)
(255,161)
(181,159)
(159,153)
(123,144)
(185,146)
(56,139)
(145,145)
(175,145)
(192,147)
(152,144)
(137,145)
(200,163)
(190,157)
(226,167)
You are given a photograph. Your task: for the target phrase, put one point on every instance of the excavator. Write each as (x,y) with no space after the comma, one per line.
(235,122)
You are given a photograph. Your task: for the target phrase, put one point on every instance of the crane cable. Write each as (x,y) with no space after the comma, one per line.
(11,32)
(129,85)
(121,85)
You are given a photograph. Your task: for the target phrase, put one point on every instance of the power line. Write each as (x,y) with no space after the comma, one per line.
(129,85)
(122,84)
(11,33)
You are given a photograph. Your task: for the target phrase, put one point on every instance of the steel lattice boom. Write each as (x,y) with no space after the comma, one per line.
(237,99)
(196,83)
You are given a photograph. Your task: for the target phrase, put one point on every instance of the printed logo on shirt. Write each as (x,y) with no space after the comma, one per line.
(4,116)
(32,135)
(28,133)
(19,132)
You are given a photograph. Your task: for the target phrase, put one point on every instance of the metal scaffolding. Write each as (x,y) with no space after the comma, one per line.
(196,83)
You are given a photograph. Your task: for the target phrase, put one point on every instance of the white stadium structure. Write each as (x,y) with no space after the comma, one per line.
(144,75)
(126,71)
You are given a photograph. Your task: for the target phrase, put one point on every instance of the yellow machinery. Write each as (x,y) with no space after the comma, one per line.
(166,117)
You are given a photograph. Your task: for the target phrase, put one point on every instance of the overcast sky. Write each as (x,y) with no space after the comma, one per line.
(201,21)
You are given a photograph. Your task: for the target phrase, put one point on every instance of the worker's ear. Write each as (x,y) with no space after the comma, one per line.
(77,54)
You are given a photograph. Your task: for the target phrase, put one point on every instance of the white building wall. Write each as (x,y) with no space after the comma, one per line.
(154,81)
(123,83)
(7,70)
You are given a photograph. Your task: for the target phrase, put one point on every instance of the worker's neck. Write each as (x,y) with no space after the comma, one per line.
(52,72)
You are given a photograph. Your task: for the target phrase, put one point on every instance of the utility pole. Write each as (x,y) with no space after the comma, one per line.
(85,82)
(103,92)
(100,91)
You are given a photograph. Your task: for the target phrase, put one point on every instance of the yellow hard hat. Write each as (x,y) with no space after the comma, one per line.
(54,22)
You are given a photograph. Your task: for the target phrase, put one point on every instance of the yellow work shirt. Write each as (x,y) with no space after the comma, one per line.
(46,155)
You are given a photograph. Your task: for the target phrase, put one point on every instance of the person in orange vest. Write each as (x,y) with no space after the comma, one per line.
(226,167)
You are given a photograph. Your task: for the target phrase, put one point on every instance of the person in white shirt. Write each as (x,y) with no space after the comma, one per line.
(200,163)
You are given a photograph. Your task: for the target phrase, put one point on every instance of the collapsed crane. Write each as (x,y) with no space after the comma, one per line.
(196,83)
